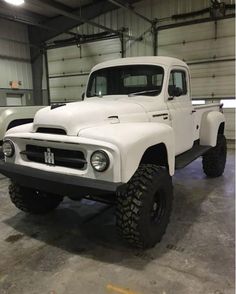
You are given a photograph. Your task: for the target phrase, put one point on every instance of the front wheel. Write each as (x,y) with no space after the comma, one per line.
(144,208)
(33,201)
(214,160)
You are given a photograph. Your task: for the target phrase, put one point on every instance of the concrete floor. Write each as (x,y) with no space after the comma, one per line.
(76,250)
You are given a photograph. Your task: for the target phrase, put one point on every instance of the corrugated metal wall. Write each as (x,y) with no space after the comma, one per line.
(14,60)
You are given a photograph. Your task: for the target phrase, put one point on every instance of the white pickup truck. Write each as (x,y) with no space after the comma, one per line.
(121,145)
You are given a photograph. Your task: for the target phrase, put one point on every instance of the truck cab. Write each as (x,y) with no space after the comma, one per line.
(165,85)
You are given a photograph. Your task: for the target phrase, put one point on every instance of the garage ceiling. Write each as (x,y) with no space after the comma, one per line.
(34,9)
(50,18)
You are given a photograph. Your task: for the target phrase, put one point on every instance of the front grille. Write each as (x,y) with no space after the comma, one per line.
(53,156)
(51,131)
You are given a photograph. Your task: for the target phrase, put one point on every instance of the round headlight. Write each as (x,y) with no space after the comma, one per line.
(8,148)
(100,161)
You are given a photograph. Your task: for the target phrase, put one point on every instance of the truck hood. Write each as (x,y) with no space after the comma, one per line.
(74,117)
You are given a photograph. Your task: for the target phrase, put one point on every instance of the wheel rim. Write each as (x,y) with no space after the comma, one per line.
(158,208)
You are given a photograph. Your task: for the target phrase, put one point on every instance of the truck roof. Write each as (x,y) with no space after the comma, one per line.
(158,60)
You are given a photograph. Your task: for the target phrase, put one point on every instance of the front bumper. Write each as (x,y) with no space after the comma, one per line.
(61,184)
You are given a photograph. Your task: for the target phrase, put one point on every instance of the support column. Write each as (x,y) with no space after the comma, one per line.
(47,75)
(123,42)
(155,37)
(37,74)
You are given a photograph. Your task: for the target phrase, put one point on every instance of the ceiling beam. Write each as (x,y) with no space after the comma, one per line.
(25,17)
(10,10)
(62,24)
(30,23)
(61,9)
(130,8)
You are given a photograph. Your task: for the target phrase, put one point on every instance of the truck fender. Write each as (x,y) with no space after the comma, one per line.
(14,116)
(210,125)
(25,128)
(132,140)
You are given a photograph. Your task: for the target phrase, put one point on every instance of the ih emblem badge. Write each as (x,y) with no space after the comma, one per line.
(49,157)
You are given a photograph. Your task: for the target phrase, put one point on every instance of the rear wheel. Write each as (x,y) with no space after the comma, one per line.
(214,160)
(33,201)
(144,208)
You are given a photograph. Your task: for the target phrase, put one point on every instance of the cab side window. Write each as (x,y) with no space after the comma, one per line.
(99,86)
(177,80)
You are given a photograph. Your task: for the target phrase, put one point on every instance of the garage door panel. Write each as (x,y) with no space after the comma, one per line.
(68,81)
(85,50)
(197,32)
(62,53)
(225,28)
(220,86)
(212,69)
(71,66)
(67,94)
(73,60)
(81,65)
(97,48)
(200,50)
(180,34)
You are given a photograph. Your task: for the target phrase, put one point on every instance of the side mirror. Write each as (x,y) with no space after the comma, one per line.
(174,92)
(83,96)
(178,92)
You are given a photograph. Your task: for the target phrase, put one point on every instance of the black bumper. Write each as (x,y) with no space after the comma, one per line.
(66,185)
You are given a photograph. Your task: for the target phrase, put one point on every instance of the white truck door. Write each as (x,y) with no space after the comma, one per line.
(180,109)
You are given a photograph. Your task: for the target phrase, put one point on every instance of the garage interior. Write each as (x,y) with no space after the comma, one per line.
(48,48)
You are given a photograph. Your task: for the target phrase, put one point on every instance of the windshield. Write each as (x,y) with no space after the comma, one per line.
(124,80)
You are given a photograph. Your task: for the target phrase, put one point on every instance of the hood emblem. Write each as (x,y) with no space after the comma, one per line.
(49,157)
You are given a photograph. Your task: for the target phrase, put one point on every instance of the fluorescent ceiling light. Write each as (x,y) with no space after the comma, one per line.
(15,2)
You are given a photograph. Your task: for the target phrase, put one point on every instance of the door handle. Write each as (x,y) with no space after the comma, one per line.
(193,111)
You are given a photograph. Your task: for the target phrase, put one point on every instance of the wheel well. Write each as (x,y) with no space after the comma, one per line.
(156,154)
(221,128)
(18,122)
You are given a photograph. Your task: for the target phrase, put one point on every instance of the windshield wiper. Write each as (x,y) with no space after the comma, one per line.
(143,92)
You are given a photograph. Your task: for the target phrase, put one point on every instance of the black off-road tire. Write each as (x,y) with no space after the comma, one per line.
(214,160)
(144,207)
(33,201)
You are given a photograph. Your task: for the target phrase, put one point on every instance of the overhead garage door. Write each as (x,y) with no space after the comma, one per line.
(69,67)
(209,50)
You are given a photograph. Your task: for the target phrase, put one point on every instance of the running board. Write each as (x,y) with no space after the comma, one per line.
(187,157)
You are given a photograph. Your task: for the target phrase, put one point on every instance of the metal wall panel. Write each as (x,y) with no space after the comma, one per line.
(13,30)
(15,70)
(73,61)
(14,55)
(13,50)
